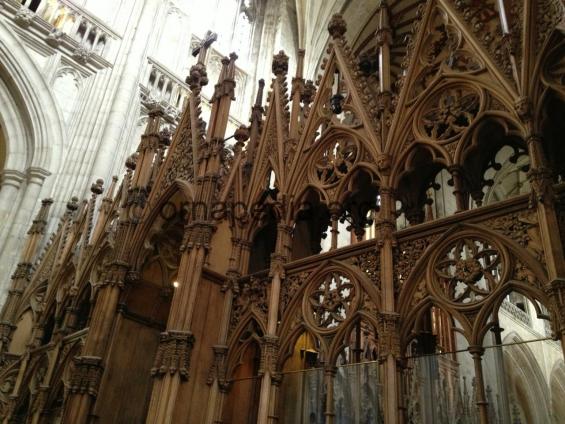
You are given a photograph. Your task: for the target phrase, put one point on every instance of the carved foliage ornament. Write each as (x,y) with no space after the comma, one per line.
(449,113)
(443,51)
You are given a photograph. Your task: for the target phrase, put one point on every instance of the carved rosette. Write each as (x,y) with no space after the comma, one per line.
(269,354)
(87,375)
(388,331)
(173,354)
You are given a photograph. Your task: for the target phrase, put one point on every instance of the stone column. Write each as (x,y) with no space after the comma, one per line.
(11,182)
(21,219)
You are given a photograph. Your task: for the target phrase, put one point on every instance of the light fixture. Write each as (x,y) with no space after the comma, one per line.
(175,284)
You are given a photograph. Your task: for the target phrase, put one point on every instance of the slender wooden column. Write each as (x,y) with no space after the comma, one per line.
(22,275)
(388,319)
(329,377)
(89,367)
(477,354)
(543,197)
(172,364)
(270,342)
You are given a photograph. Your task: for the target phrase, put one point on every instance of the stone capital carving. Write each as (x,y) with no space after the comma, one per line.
(55,37)
(12,177)
(24,17)
(36,175)
(82,54)
(173,354)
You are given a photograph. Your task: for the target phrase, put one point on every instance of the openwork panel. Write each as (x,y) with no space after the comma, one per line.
(468,270)
(330,301)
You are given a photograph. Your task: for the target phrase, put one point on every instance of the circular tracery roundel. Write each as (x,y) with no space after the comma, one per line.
(450,113)
(468,270)
(335,161)
(330,302)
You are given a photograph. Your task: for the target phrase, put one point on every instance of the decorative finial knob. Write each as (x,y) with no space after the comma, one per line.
(337,26)
(280,64)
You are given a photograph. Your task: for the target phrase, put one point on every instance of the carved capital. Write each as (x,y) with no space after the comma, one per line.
(87,375)
(116,274)
(556,293)
(6,329)
(541,184)
(173,354)
(24,17)
(198,235)
(23,271)
(384,36)
(269,354)
(388,331)
(218,370)
(82,54)
(277,265)
(55,37)
(523,108)
(132,277)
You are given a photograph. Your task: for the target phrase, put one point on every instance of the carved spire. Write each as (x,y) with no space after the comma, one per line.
(40,221)
(105,210)
(198,77)
(296,94)
(97,188)
(257,112)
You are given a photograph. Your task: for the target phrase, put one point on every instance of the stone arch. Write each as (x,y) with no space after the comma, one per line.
(34,138)
(527,381)
(28,87)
